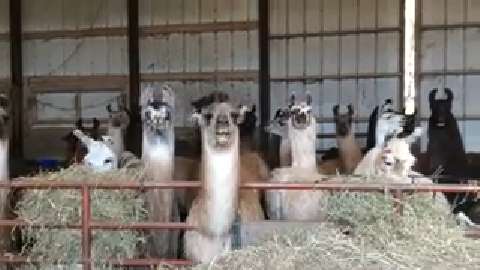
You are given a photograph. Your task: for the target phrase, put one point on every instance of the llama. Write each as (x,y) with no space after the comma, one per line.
(100,156)
(214,209)
(445,149)
(278,126)
(118,122)
(383,122)
(298,205)
(157,111)
(350,153)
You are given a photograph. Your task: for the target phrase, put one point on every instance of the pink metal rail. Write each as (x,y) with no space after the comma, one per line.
(87,225)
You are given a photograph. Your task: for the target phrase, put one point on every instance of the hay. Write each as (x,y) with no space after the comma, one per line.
(55,246)
(364,232)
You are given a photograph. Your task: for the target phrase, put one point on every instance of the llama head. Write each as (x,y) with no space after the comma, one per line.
(157,105)
(281,117)
(301,112)
(389,123)
(220,123)
(396,158)
(100,156)
(118,118)
(4,116)
(343,116)
(441,106)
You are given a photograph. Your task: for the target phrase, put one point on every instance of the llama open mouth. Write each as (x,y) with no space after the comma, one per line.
(223,132)
(301,121)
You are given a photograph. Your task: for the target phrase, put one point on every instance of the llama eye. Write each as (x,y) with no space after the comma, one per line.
(108,161)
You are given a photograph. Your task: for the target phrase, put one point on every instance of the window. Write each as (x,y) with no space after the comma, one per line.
(67,107)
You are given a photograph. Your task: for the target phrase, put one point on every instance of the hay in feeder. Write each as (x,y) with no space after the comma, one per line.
(364,231)
(63,247)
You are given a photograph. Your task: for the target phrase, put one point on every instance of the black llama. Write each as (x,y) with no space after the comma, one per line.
(446,151)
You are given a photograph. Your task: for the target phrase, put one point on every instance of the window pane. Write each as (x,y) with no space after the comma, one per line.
(94,104)
(55,106)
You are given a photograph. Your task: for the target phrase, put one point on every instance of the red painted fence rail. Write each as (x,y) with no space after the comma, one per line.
(87,225)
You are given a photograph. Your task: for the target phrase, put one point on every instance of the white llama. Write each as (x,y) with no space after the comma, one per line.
(298,205)
(215,208)
(100,156)
(118,121)
(157,109)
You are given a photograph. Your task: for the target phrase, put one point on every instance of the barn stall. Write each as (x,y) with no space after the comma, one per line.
(62,60)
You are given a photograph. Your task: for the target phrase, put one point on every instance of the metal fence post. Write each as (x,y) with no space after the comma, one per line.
(86,232)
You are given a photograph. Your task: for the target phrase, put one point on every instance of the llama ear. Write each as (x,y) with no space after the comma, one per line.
(449,93)
(309,99)
(292,100)
(431,96)
(335,110)
(197,119)
(109,108)
(350,109)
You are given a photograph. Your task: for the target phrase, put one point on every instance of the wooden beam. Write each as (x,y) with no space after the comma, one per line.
(16,76)
(321,78)
(134,138)
(198,28)
(339,33)
(80,83)
(247,75)
(143,31)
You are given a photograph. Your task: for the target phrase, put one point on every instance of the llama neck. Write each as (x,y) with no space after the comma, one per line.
(350,152)
(4,169)
(285,152)
(158,154)
(303,146)
(116,134)
(220,185)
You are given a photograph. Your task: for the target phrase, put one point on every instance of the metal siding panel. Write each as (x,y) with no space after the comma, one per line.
(472,136)
(348,93)
(207,52)
(278,10)
(224,8)
(71,59)
(117,13)
(240,54)
(313,15)
(433,11)
(99,54)
(388,88)
(472,96)
(472,45)
(224,44)
(192,13)
(387,52)
(145,12)
(253,50)
(330,15)
(314,59)
(116,50)
(279,97)
(367,14)
(240,10)
(71,14)
(208,10)
(295,57)
(296,16)
(432,50)
(349,14)
(455,12)
(4,59)
(349,54)
(278,53)
(367,98)
(159,10)
(192,52)
(329,98)
(4,17)
(389,13)
(253,10)
(366,52)
(473,11)
(455,49)
(175,11)
(330,55)
(161,54)
(176,53)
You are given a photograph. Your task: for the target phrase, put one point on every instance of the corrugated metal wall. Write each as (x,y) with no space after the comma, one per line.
(342,51)
(4,42)
(450,40)
(79,56)
(168,57)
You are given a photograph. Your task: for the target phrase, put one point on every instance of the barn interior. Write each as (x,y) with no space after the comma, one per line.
(62,61)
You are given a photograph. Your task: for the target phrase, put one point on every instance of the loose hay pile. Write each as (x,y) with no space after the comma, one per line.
(63,247)
(365,232)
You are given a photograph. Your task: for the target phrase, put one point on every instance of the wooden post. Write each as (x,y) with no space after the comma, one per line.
(264,73)
(16,76)
(409,56)
(133,142)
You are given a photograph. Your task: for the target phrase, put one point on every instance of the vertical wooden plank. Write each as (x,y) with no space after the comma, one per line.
(16,77)
(264,71)
(134,139)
